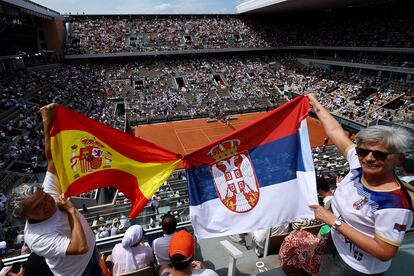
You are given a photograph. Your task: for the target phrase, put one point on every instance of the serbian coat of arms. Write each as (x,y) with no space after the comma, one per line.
(234,177)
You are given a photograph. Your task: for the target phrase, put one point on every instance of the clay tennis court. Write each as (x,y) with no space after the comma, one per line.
(187,136)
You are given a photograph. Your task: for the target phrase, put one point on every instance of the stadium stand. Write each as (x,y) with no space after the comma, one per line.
(359,61)
(91,34)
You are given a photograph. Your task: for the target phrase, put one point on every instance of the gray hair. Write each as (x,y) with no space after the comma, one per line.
(396,139)
(18,195)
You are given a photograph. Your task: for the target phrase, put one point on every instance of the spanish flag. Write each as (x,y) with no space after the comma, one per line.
(89,155)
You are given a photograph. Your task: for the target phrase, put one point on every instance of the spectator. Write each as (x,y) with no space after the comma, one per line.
(181,253)
(54,228)
(114,227)
(61,235)
(324,192)
(131,254)
(259,236)
(124,221)
(155,204)
(162,244)
(371,210)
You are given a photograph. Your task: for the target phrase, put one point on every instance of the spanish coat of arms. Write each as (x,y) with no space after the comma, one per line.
(89,156)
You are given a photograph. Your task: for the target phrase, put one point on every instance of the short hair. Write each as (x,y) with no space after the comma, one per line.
(408,165)
(396,139)
(18,195)
(322,184)
(179,262)
(169,224)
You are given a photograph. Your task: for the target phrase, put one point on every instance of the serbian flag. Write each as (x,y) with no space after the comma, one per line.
(89,155)
(258,177)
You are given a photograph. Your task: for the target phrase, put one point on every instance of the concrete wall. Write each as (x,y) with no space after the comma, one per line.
(54,31)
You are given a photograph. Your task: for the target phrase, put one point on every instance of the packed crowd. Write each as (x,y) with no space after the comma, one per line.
(361,98)
(194,88)
(23,93)
(112,34)
(387,25)
(171,198)
(202,86)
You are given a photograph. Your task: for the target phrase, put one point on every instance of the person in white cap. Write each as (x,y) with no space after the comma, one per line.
(124,221)
(131,254)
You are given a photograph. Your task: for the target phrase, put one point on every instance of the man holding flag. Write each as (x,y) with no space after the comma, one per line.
(83,155)
(54,228)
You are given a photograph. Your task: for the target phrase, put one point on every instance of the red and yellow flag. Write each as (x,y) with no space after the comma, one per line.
(89,155)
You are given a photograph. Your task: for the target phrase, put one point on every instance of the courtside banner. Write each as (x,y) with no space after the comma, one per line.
(89,155)
(259,176)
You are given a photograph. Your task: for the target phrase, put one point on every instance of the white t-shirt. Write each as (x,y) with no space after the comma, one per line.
(384,214)
(50,238)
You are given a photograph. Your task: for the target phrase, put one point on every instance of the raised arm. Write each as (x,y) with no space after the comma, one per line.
(78,244)
(331,126)
(51,183)
(48,114)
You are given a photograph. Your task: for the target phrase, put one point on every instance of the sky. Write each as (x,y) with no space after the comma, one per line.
(140,6)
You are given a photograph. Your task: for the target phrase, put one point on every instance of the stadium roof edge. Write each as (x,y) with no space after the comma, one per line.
(35,9)
(152,14)
(275,6)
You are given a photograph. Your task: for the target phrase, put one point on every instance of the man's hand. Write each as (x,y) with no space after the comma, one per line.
(312,99)
(48,113)
(323,215)
(65,205)
(9,272)
(197,265)
(339,178)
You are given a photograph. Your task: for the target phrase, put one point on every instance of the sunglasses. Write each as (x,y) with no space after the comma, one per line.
(379,155)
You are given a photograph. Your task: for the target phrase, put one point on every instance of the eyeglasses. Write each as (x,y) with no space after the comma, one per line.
(379,155)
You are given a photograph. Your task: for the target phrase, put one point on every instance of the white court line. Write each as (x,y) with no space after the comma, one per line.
(179,140)
(182,130)
(189,129)
(202,131)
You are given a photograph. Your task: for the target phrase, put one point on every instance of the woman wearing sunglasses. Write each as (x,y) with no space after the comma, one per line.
(371,209)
